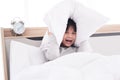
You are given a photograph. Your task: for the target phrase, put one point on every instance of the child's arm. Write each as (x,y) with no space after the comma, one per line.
(85,47)
(51,48)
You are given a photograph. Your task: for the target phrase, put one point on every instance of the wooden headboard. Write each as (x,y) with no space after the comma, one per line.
(40,31)
(109,29)
(29,32)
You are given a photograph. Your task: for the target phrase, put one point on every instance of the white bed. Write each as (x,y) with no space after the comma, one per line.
(63,68)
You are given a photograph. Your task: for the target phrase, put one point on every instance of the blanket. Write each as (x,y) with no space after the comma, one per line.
(76,66)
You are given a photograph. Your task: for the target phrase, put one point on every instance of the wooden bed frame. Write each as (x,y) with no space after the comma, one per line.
(39,32)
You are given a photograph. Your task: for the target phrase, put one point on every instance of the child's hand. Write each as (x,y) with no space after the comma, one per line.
(51,38)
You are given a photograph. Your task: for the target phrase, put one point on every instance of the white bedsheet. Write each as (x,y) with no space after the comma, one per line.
(76,66)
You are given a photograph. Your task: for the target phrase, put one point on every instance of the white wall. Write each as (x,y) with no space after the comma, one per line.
(109,8)
(33,11)
(10,9)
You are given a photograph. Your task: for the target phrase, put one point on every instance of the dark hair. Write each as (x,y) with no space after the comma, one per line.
(71,23)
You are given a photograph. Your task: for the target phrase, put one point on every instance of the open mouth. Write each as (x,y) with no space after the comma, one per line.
(69,41)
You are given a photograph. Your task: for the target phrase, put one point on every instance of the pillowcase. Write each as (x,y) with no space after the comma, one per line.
(87,20)
(22,56)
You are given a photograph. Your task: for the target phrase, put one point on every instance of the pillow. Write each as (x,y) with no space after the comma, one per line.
(22,56)
(87,20)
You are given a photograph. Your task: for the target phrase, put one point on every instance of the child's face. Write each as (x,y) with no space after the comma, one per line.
(69,37)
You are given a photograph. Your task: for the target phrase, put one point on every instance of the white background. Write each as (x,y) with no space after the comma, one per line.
(33,11)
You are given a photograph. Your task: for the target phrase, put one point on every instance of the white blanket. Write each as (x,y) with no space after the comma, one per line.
(76,66)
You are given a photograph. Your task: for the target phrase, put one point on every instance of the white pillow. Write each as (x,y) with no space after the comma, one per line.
(87,20)
(22,56)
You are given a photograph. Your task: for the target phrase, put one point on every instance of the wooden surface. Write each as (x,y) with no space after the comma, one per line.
(40,31)
(4,54)
(29,32)
(109,29)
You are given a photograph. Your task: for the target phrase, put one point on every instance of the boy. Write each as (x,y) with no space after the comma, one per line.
(52,50)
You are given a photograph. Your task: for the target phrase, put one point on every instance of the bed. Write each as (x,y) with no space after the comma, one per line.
(33,36)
